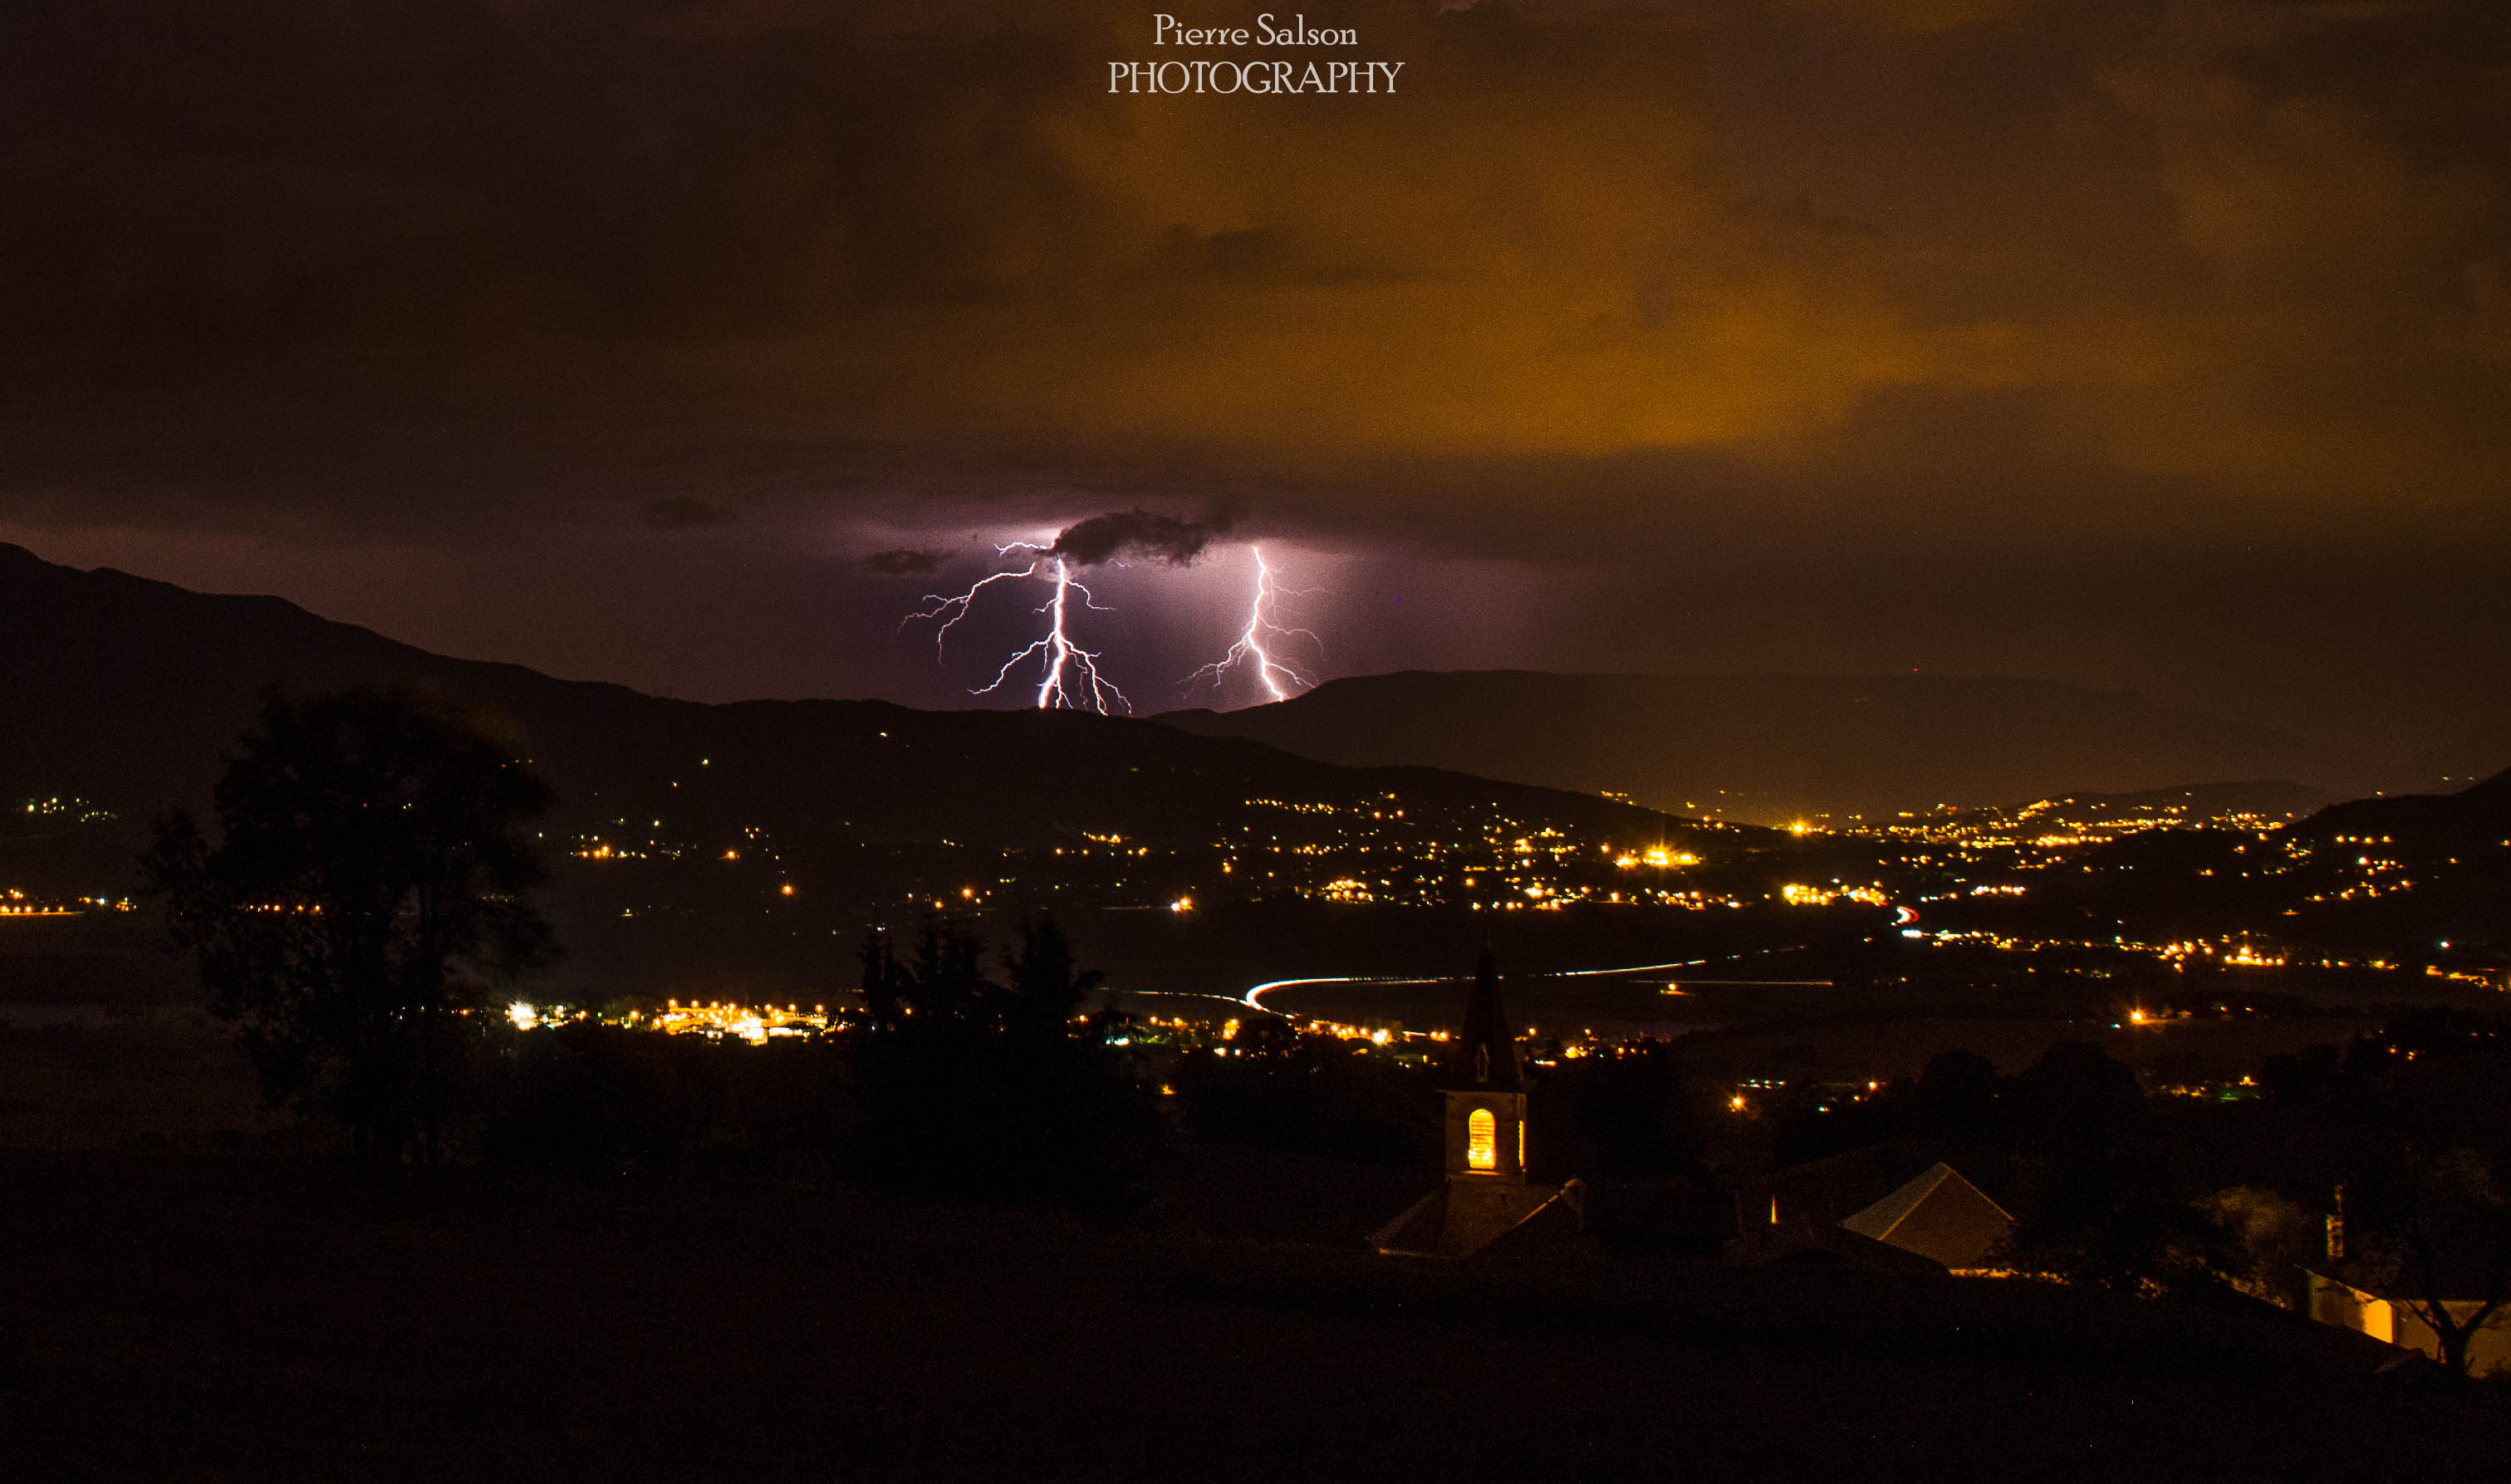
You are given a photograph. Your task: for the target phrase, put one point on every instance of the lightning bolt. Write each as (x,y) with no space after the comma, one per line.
(958,604)
(1068,675)
(1250,647)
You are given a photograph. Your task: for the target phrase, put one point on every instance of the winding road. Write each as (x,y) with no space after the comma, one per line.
(1255,997)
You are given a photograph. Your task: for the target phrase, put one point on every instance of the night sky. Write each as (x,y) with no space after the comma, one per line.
(2151,345)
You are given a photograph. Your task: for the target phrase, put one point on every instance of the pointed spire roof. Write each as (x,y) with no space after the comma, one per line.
(1483,1058)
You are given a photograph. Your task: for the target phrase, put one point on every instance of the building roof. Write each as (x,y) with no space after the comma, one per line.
(1463,1219)
(1938,1215)
(1666,1212)
(1814,1243)
(1483,1056)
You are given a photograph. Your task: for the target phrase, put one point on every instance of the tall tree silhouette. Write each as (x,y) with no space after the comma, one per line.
(367,888)
(1047,986)
(977,1089)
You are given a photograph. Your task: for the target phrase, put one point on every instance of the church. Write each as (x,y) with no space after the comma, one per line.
(1485,1206)
(1485,1200)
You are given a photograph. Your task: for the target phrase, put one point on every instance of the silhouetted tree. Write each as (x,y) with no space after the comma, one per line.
(2104,1200)
(1311,1094)
(987,1090)
(2436,1231)
(884,983)
(1616,1116)
(1955,1092)
(2307,1078)
(367,888)
(1046,987)
(2076,1094)
(946,983)
(2269,1242)
(1955,1097)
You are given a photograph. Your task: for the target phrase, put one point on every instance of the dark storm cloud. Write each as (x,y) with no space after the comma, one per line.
(1171,538)
(904,562)
(2252,247)
(1618,290)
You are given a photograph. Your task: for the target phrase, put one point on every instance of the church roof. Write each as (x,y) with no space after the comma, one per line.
(1938,1215)
(1811,1244)
(1483,1058)
(1514,1220)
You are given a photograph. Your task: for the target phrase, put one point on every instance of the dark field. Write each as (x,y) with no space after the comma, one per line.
(208,1318)
(191,1293)
(128,1079)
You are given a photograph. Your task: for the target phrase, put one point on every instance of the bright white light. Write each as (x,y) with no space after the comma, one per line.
(1250,647)
(1068,675)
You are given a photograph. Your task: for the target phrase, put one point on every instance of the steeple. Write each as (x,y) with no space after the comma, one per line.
(1483,1058)
(1486,1195)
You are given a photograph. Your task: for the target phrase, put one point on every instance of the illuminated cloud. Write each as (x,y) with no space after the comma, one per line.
(2252,246)
(1768,290)
(1136,533)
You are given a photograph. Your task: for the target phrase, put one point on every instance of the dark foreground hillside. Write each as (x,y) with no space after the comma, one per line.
(211,1319)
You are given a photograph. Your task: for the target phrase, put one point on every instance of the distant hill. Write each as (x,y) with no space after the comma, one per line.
(1768,749)
(2422,868)
(678,826)
(129,691)
(2412,877)
(2471,818)
(2270,801)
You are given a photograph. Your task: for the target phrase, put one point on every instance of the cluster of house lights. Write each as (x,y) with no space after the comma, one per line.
(16,903)
(714,1019)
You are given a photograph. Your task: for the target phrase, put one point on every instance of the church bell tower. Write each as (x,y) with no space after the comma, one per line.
(1484,1197)
(1485,1091)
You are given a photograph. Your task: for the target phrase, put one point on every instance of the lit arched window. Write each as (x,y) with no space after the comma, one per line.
(1482,1140)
